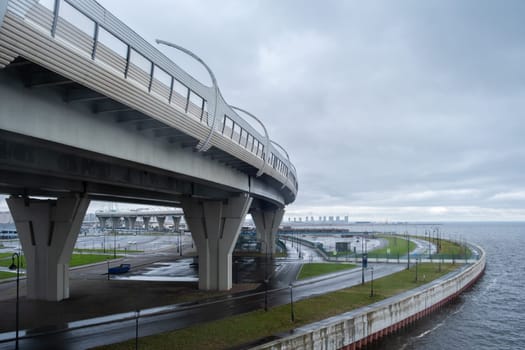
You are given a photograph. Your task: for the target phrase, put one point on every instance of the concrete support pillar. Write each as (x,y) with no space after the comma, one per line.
(102,222)
(215,226)
(115,222)
(48,230)
(130,222)
(176,222)
(146,220)
(161,220)
(267,223)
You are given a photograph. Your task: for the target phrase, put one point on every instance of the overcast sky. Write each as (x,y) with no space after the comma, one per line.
(390,110)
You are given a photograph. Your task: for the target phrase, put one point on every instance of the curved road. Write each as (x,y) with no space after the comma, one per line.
(91,333)
(115,328)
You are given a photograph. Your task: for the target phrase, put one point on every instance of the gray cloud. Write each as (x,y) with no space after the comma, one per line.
(390,110)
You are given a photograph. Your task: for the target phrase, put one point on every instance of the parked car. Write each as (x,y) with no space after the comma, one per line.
(122,268)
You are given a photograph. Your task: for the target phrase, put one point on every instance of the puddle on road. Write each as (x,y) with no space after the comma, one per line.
(157,278)
(177,271)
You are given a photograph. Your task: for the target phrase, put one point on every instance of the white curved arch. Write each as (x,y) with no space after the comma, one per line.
(203,145)
(267,144)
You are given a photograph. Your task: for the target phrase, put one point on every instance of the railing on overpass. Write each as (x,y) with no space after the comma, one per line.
(92,30)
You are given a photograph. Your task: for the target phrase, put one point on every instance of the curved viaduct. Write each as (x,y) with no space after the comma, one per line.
(90,110)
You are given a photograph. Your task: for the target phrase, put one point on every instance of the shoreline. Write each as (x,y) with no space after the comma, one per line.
(363,326)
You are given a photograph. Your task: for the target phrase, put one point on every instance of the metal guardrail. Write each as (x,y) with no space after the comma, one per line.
(100,35)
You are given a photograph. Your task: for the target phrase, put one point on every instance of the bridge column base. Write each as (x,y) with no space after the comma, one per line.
(215,226)
(160,221)
(102,223)
(130,222)
(176,222)
(115,223)
(267,222)
(48,230)
(146,220)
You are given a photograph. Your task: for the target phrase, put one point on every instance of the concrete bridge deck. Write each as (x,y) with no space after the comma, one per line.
(89,110)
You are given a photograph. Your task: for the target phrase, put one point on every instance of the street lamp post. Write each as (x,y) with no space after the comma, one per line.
(266,279)
(236,264)
(292,314)
(180,242)
(137,315)
(115,244)
(17,267)
(427,237)
(372,281)
(439,240)
(362,260)
(266,294)
(416,269)
(408,251)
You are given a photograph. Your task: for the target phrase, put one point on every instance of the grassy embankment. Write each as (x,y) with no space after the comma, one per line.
(317,269)
(241,329)
(396,247)
(4,274)
(448,249)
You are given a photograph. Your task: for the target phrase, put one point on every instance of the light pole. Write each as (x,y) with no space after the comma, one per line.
(439,239)
(213,81)
(292,314)
(427,237)
(180,242)
(266,294)
(236,264)
(17,267)
(408,251)
(416,270)
(114,243)
(362,261)
(372,281)
(137,315)
(265,276)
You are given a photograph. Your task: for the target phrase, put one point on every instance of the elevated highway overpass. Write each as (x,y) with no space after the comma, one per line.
(91,111)
(130,218)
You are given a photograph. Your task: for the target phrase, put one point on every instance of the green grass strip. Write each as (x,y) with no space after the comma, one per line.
(6,260)
(4,274)
(108,251)
(316,269)
(448,249)
(397,247)
(76,259)
(243,329)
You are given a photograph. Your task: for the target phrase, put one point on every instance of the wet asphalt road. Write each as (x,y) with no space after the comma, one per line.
(181,316)
(280,273)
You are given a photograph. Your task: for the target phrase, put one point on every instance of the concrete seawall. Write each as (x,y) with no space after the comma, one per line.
(355,329)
